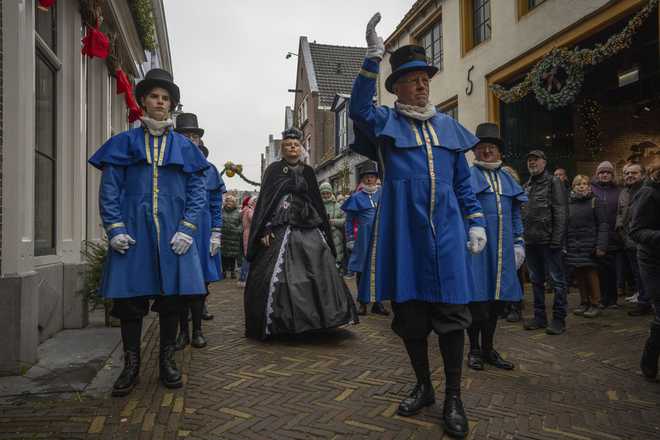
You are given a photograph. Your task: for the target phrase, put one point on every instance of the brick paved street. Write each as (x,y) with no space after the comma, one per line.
(582,385)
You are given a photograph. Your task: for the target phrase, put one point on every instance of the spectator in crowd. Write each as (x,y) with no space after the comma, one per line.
(231,236)
(544,219)
(586,239)
(563,176)
(337,219)
(633,176)
(246,218)
(645,231)
(604,187)
(513,309)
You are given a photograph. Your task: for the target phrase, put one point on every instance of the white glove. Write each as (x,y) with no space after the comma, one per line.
(121,242)
(519,252)
(375,44)
(215,243)
(477,239)
(350,245)
(181,243)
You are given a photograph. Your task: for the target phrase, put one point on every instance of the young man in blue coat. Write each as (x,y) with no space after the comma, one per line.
(151,199)
(207,239)
(428,219)
(360,211)
(494,270)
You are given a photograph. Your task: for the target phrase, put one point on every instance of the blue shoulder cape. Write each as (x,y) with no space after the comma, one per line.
(510,188)
(128,148)
(213,180)
(449,134)
(359,202)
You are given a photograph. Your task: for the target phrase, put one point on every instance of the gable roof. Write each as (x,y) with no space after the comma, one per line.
(335,69)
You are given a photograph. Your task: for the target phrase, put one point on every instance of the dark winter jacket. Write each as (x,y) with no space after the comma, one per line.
(544,216)
(232,232)
(608,193)
(587,230)
(623,214)
(645,222)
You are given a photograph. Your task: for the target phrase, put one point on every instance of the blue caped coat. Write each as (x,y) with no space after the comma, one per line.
(418,249)
(151,192)
(361,208)
(494,269)
(211,221)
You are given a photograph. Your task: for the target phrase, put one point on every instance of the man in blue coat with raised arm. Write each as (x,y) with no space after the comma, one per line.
(151,199)
(360,209)
(207,239)
(495,277)
(428,220)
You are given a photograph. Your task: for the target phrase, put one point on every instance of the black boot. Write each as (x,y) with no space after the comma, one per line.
(475,361)
(170,375)
(362,310)
(206,316)
(379,309)
(453,415)
(422,395)
(131,332)
(649,362)
(197,309)
(184,331)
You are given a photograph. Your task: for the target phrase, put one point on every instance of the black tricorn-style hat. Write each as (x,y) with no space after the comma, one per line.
(187,122)
(370,167)
(292,133)
(158,78)
(408,59)
(489,132)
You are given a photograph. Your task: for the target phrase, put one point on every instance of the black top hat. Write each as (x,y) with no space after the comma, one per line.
(187,122)
(158,78)
(489,132)
(292,133)
(408,59)
(369,167)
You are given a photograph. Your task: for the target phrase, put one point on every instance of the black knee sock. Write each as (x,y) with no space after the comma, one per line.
(131,334)
(168,328)
(488,334)
(196,304)
(183,320)
(451,346)
(419,358)
(473,334)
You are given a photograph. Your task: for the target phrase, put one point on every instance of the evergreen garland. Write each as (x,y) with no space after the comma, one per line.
(143,14)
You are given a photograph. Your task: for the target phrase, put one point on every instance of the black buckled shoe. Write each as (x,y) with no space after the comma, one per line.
(379,309)
(493,358)
(422,395)
(130,375)
(170,375)
(513,316)
(198,339)
(475,361)
(206,316)
(362,310)
(182,340)
(453,414)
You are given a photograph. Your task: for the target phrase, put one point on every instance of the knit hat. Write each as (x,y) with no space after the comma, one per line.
(605,166)
(325,187)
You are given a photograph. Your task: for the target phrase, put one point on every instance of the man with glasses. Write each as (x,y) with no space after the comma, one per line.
(605,188)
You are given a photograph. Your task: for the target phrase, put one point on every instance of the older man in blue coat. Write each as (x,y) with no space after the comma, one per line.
(428,220)
(151,197)
(494,270)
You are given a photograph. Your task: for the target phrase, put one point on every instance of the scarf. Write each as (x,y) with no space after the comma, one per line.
(370,189)
(488,165)
(414,112)
(156,128)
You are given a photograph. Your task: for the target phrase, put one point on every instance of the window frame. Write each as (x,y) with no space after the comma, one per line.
(467,13)
(525,8)
(429,30)
(449,106)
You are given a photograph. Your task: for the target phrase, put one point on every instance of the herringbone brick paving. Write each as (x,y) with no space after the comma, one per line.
(582,385)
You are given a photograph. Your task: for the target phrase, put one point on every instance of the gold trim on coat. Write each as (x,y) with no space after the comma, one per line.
(114,226)
(429,157)
(495,184)
(367,74)
(154,189)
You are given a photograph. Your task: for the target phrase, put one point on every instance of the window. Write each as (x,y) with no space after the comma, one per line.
(531,4)
(480,21)
(342,129)
(524,6)
(449,107)
(431,40)
(45,167)
(302,112)
(307,146)
(475,23)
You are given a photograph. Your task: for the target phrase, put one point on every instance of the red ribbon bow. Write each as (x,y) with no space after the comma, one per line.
(124,86)
(95,43)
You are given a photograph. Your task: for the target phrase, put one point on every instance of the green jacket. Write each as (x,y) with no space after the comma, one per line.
(337,220)
(232,232)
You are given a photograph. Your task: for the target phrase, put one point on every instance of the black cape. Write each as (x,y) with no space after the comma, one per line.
(278,181)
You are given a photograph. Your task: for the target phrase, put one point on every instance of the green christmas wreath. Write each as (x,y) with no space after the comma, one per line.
(557,80)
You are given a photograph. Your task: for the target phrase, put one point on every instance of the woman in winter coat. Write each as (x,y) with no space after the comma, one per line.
(232,236)
(586,238)
(645,230)
(247,212)
(337,219)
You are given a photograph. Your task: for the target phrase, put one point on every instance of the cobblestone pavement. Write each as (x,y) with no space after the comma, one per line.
(582,385)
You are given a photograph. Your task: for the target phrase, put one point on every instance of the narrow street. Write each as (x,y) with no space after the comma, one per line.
(348,385)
